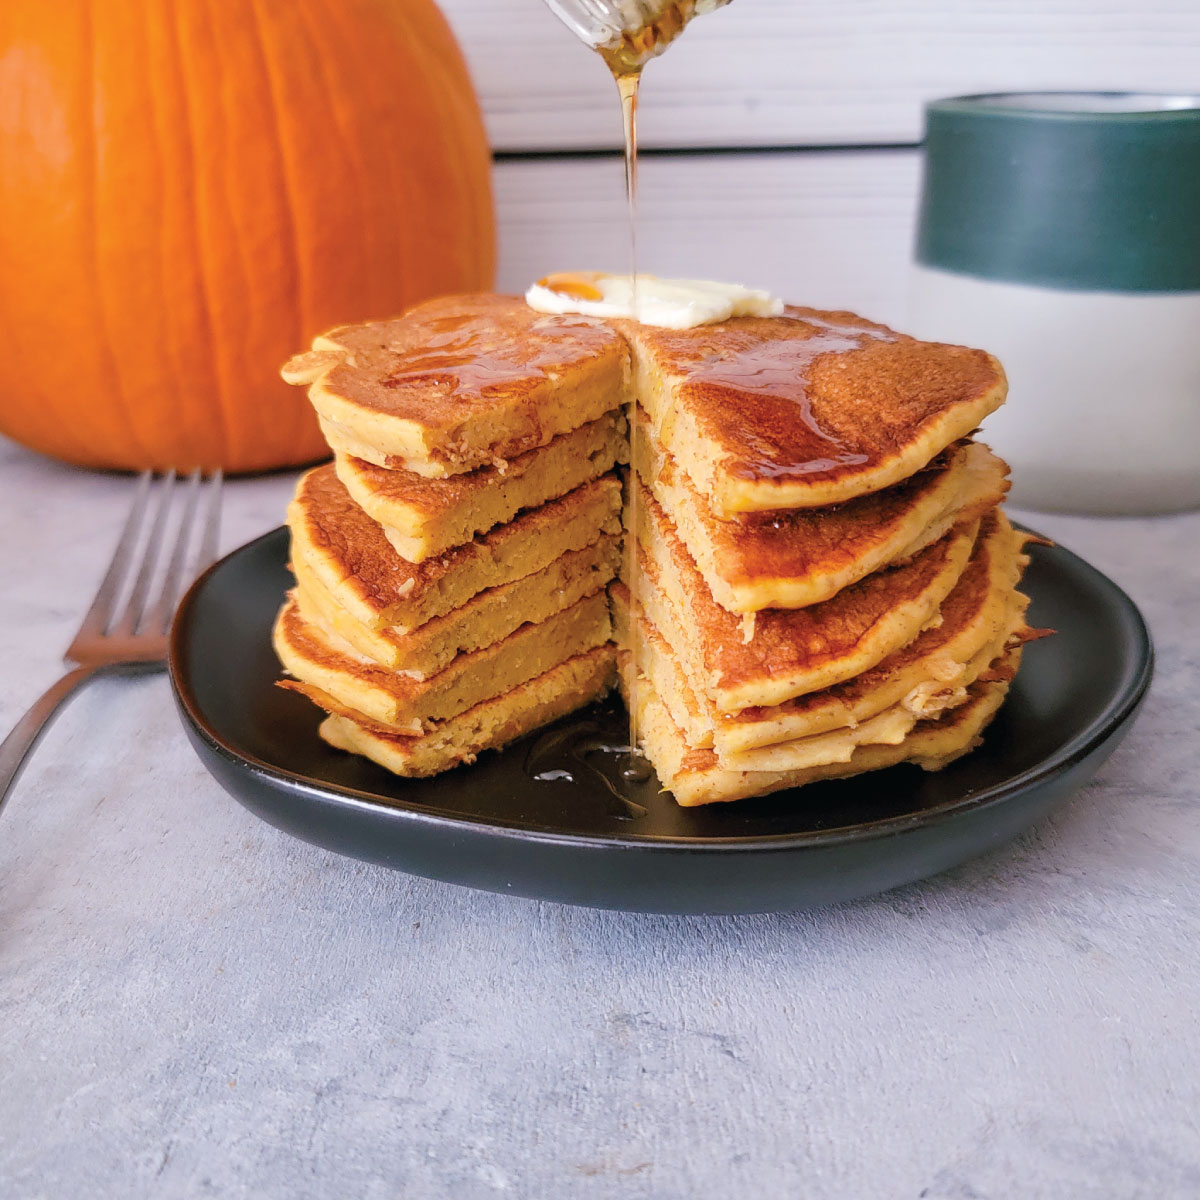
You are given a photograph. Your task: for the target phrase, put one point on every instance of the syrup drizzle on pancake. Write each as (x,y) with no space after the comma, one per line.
(776,373)
(462,355)
(628,84)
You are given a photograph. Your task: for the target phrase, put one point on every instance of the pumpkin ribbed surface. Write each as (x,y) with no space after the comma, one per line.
(190,190)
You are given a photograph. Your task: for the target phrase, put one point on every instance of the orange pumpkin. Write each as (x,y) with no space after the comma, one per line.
(191,189)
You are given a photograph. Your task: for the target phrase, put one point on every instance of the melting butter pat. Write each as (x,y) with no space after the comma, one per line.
(667,303)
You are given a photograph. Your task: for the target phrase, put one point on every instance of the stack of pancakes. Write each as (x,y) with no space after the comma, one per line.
(451,563)
(825,582)
(818,579)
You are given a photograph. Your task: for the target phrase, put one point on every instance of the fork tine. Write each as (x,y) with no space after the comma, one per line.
(212,523)
(98,616)
(160,616)
(141,585)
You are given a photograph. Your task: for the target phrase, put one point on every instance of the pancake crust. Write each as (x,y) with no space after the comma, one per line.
(486,618)
(796,557)
(889,726)
(352,558)
(978,620)
(658,661)
(791,652)
(486,726)
(696,777)
(424,517)
(460,382)
(807,409)
(413,705)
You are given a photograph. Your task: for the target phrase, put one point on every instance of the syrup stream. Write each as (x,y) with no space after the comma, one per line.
(628,85)
(625,59)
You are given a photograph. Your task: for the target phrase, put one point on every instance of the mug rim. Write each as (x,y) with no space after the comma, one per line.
(1155,106)
(1102,198)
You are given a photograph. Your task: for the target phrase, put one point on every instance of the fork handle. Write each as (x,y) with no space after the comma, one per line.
(15,749)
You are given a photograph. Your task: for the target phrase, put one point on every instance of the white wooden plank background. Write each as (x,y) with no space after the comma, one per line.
(833,229)
(766,72)
(830,229)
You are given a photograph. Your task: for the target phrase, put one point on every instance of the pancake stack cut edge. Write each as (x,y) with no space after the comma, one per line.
(452,562)
(815,580)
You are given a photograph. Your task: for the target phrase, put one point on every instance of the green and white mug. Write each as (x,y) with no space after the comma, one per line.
(1061,231)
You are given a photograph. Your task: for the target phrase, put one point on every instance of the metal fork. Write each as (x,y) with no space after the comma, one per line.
(133,641)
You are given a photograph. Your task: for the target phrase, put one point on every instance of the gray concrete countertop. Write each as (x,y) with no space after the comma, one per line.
(194,1004)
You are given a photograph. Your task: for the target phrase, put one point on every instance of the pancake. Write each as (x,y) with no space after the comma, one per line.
(886,711)
(423,517)
(888,726)
(696,777)
(487,617)
(976,621)
(488,725)
(807,409)
(657,660)
(410,705)
(769,657)
(352,559)
(796,557)
(460,382)
(925,676)
(873,707)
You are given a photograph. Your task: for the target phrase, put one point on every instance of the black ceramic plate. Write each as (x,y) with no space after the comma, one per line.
(584,837)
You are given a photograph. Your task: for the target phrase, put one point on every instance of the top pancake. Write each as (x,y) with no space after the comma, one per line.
(806,409)
(460,382)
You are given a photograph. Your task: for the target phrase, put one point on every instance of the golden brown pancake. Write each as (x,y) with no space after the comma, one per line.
(413,705)
(769,657)
(807,409)
(488,725)
(696,777)
(423,517)
(460,382)
(976,621)
(889,726)
(657,659)
(889,713)
(354,561)
(796,557)
(486,618)
(980,617)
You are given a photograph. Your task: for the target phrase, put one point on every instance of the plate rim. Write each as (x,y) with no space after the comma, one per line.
(1118,712)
